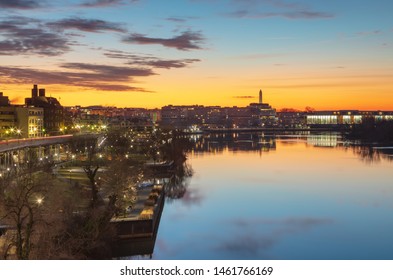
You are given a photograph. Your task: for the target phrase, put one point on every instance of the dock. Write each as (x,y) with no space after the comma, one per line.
(136,230)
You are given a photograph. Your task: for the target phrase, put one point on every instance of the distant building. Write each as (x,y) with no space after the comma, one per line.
(262,113)
(4,100)
(341,118)
(292,119)
(53,111)
(7,116)
(255,115)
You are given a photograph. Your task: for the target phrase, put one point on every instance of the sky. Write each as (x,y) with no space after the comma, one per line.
(150,53)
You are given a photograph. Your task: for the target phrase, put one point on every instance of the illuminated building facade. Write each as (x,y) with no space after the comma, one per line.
(30,121)
(53,111)
(345,117)
(255,115)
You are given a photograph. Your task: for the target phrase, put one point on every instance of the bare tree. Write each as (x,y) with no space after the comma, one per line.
(21,199)
(91,166)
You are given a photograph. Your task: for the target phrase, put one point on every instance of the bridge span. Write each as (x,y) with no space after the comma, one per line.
(56,148)
(16,144)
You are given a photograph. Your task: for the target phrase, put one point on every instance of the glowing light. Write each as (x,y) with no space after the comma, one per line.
(40,200)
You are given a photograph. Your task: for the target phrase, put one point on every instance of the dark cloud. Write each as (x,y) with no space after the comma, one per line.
(19,4)
(191,197)
(181,20)
(100,77)
(106,3)
(274,3)
(22,38)
(247,245)
(278,8)
(288,15)
(109,87)
(256,236)
(188,40)
(87,25)
(108,72)
(368,33)
(167,64)
(152,61)
(296,222)
(306,15)
(176,19)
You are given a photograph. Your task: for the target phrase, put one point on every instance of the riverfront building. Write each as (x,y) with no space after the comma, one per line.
(7,115)
(345,117)
(30,121)
(254,115)
(53,111)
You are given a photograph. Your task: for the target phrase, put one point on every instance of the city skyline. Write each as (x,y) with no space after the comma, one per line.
(150,54)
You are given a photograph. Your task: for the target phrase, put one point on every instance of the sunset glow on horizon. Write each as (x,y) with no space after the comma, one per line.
(145,53)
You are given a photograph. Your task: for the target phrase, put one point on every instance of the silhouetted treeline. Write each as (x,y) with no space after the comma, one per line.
(373,131)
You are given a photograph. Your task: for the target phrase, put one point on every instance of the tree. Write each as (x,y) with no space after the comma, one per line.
(21,198)
(91,167)
(309,109)
(86,151)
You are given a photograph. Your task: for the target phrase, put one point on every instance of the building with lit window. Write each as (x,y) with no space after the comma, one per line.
(344,118)
(254,115)
(7,117)
(53,111)
(30,121)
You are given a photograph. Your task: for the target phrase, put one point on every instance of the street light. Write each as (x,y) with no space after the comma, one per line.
(39,200)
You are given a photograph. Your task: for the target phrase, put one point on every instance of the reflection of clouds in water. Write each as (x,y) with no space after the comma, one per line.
(295,222)
(247,245)
(241,239)
(250,241)
(192,196)
(185,246)
(165,250)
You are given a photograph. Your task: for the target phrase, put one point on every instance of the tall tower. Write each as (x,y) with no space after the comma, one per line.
(41,92)
(260,96)
(34,91)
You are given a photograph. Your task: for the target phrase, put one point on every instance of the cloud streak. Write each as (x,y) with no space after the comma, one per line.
(105,3)
(151,61)
(19,4)
(253,239)
(86,25)
(95,76)
(186,41)
(289,15)
(297,222)
(21,38)
(278,8)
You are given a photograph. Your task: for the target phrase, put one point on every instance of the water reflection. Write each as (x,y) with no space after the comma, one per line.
(323,140)
(219,142)
(310,197)
(261,142)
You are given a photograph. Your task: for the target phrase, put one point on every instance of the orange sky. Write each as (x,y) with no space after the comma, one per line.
(153,53)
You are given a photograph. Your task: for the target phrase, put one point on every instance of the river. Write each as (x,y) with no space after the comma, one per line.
(255,196)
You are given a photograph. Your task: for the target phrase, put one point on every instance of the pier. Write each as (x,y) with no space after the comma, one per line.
(136,229)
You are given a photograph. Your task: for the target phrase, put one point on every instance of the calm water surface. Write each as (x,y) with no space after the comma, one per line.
(308,197)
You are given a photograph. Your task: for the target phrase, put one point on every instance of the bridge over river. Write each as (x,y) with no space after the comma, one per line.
(56,148)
